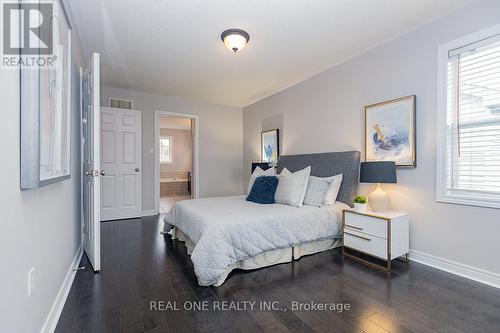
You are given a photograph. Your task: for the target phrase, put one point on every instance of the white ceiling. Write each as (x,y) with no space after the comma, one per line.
(177,123)
(173,47)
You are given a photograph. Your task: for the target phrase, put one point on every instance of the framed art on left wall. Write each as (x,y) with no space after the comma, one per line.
(270,145)
(46,101)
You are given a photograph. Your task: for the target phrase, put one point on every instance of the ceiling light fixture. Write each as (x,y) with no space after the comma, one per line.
(235,39)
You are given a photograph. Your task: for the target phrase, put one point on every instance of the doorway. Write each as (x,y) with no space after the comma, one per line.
(176,159)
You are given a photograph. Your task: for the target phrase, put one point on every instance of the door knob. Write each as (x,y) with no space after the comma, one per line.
(102,173)
(137,169)
(89,173)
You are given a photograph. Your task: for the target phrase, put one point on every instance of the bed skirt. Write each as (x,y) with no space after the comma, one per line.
(265,259)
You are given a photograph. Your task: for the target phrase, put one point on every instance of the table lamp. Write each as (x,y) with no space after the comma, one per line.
(378,172)
(262,165)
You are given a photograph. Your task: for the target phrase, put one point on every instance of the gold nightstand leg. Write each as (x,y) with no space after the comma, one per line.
(366,262)
(404,258)
(388,246)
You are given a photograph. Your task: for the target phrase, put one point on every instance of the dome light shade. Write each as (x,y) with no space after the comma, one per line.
(235,40)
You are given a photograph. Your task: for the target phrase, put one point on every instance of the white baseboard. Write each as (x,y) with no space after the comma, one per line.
(149,212)
(56,309)
(453,267)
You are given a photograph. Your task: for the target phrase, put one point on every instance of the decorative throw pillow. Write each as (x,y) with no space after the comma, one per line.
(320,190)
(292,187)
(333,191)
(259,172)
(263,190)
(285,172)
(316,191)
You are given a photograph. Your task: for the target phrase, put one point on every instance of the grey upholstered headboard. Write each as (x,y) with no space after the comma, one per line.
(328,164)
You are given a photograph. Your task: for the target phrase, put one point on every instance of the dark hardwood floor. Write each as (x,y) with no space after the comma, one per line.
(139,266)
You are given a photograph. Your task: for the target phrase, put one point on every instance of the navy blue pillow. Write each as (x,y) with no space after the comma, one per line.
(263,190)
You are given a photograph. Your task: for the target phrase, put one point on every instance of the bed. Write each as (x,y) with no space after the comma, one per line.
(227,233)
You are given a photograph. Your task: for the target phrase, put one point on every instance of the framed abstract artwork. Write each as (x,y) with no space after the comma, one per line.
(390,131)
(270,145)
(46,108)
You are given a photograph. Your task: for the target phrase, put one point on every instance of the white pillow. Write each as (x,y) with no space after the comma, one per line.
(320,190)
(316,191)
(285,172)
(292,187)
(259,172)
(333,191)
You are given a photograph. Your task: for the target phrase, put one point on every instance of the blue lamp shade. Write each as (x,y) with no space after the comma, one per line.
(378,172)
(262,165)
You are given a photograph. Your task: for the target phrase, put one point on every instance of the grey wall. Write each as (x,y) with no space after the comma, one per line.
(40,228)
(221,141)
(182,153)
(325,113)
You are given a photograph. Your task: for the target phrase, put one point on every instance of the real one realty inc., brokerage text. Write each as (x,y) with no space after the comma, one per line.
(162,305)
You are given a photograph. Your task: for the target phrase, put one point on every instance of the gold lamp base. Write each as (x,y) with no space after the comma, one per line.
(378,200)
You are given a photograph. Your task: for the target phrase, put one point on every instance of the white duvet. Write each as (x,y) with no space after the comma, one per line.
(228,229)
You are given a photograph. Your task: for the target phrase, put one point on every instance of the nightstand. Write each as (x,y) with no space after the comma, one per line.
(384,235)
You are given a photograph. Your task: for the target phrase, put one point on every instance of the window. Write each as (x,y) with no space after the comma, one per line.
(469,120)
(166,143)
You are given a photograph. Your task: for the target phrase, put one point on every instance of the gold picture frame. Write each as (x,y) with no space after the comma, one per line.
(397,118)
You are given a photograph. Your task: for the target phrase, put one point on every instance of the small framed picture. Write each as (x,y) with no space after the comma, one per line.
(390,131)
(270,145)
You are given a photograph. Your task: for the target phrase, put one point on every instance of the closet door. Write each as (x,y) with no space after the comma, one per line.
(121,164)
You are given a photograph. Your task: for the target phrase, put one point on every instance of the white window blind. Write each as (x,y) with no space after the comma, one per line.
(472,164)
(166,150)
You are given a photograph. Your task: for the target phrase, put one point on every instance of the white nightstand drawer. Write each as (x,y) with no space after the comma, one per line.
(366,224)
(366,243)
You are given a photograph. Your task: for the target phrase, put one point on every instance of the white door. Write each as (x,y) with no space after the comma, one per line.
(91,164)
(121,163)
